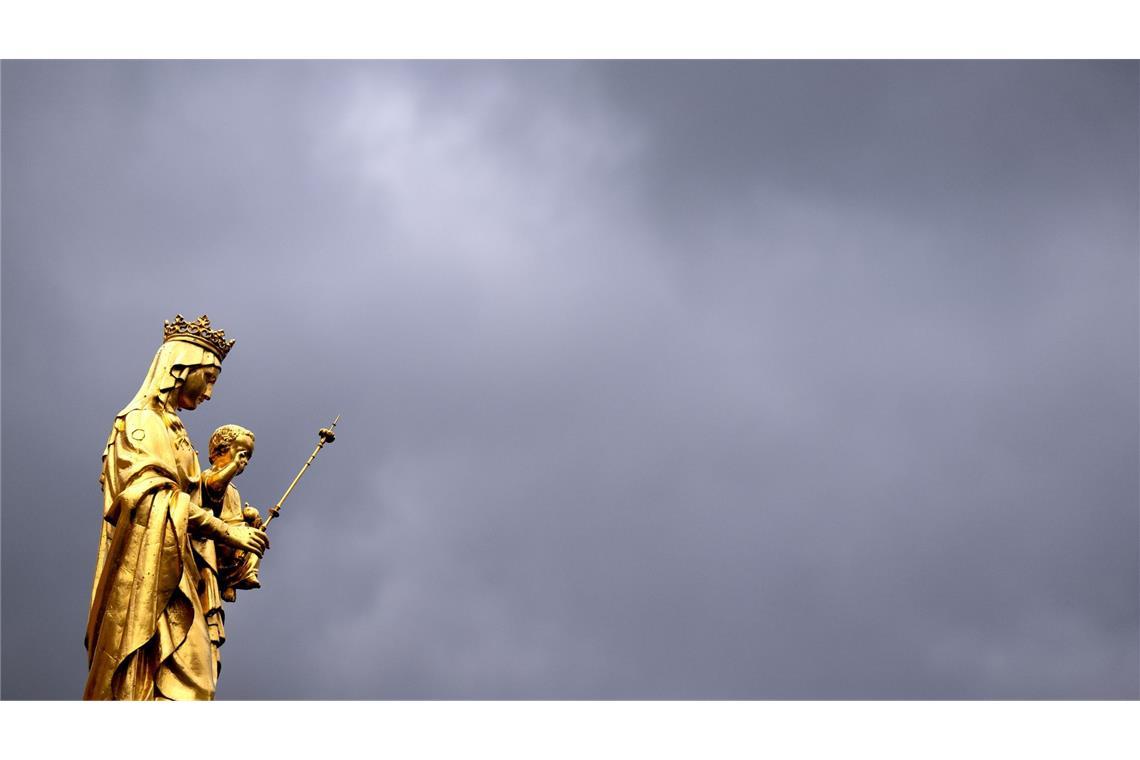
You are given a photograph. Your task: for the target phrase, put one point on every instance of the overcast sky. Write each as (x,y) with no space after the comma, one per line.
(658,380)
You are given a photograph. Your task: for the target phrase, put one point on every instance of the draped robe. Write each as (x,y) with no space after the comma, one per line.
(237,569)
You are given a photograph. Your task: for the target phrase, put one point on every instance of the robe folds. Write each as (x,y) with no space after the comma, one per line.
(237,569)
(148,632)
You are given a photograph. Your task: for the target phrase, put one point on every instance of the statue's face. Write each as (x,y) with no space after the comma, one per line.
(242,451)
(198,387)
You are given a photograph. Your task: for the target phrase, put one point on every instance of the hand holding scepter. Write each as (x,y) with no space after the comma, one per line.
(327,436)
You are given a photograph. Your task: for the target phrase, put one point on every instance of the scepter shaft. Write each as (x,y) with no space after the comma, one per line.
(326,435)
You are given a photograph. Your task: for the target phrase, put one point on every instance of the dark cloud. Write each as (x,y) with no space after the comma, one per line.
(682,380)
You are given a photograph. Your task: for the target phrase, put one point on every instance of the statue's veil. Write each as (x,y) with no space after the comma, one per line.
(172,362)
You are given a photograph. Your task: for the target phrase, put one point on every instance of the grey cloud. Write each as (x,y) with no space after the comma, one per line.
(659,380)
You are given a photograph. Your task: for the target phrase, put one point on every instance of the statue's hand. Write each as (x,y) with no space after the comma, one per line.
(240,462)
(249,538)
(217,479)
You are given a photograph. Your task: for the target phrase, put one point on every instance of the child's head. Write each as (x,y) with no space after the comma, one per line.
(230,442)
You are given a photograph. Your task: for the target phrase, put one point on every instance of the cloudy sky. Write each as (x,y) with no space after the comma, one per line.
(658,380)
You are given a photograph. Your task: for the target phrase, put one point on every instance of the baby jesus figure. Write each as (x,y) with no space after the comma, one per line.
(231,448)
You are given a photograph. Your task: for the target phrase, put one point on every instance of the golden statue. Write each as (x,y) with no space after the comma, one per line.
(231,448)
(156,619)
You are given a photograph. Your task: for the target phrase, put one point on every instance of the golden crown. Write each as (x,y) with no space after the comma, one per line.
(199,333)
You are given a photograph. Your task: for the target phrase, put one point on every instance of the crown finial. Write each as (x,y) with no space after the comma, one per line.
(199,333)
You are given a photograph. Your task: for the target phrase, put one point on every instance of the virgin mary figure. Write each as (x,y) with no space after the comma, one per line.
(151,633)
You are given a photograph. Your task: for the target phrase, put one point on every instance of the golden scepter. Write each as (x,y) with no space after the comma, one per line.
(327,436)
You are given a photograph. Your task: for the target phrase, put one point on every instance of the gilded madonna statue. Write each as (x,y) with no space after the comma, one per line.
(155,623)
